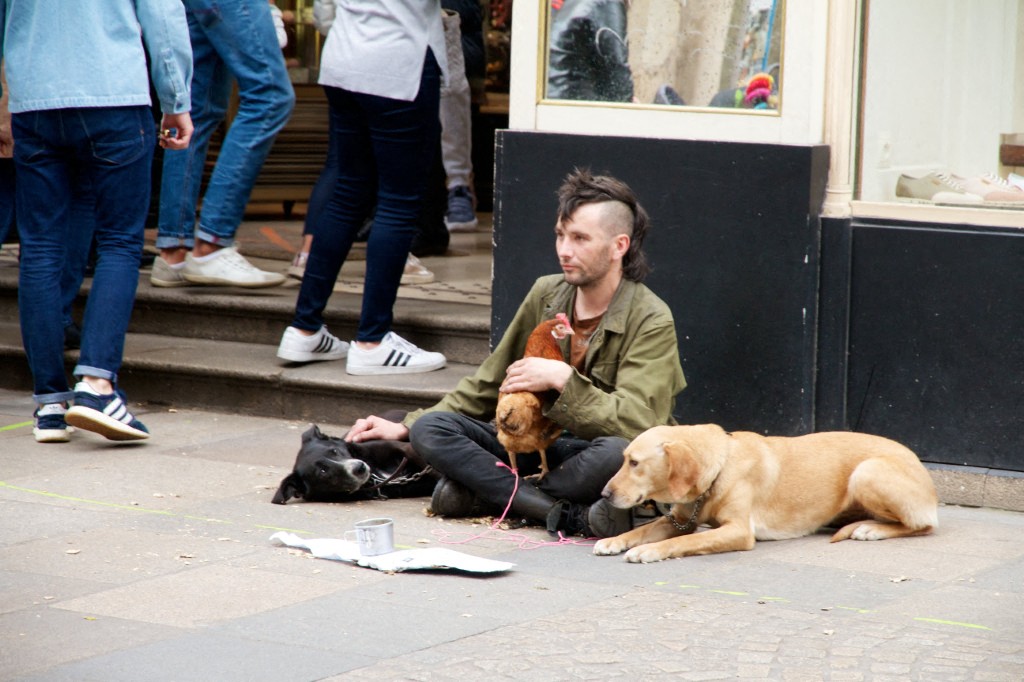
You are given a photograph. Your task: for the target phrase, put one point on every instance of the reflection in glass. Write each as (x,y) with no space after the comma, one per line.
(720,53)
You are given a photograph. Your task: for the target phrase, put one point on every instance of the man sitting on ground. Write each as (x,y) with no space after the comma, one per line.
(619,377)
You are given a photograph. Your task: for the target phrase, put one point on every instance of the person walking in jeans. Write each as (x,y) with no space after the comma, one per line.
(381,70)
(80,113)
(231,40)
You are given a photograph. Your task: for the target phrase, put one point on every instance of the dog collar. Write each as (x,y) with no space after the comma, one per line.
(698,504)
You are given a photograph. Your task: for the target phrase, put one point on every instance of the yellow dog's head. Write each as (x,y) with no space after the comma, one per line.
(668,464)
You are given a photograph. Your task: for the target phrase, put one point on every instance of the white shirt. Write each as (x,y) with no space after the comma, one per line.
(378,48)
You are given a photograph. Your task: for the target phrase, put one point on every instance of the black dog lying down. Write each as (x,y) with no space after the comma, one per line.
(328,469)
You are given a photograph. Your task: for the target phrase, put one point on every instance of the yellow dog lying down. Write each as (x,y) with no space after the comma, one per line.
(749,487)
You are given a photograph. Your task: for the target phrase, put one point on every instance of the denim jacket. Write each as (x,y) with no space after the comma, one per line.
(631,373)
(89,53)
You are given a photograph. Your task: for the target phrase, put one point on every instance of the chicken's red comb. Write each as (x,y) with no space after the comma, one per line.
(561,317)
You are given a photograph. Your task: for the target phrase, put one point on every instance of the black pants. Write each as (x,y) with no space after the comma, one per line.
(467,450)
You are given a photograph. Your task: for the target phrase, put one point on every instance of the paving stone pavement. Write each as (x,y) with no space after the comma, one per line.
(153,562)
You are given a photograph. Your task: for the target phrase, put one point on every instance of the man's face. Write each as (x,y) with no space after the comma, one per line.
(586,251)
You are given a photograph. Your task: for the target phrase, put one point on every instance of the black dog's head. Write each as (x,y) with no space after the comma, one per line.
(330,470)
(324,467)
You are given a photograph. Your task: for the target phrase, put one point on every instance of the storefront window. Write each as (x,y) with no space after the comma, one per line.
(695,53)
(942,118)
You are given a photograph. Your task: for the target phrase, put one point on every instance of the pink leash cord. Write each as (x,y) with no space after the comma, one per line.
(519,539)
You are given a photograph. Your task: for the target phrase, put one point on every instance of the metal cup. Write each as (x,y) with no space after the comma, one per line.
(374,536)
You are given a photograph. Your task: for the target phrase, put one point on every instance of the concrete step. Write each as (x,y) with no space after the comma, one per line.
(215,347)
(261,316)
(459,330)
(245,378)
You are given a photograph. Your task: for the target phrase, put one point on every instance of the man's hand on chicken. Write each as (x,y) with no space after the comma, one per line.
(536,374)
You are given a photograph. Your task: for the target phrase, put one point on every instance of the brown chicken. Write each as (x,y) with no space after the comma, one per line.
(522,426)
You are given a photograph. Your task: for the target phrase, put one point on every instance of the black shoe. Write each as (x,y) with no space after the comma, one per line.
(568,518)
(606,520)
(453,499)
(599,520)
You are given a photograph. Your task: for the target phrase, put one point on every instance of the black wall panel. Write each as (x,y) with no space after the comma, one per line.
(936,340)
(735,248)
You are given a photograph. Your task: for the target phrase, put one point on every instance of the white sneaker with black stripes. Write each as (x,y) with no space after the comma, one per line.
(394,355)
(298,347)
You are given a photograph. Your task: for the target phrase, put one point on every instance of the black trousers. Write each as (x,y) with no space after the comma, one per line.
(467,450)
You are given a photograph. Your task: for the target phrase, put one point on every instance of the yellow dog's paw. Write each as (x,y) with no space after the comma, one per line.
(644,554)
(609,546)
(869,531)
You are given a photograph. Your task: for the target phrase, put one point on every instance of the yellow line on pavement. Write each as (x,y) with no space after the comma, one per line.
(11,427)
(136,508)
(958,624)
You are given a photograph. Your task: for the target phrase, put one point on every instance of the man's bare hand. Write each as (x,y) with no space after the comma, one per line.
(175,131)
(536,374)
(376,428)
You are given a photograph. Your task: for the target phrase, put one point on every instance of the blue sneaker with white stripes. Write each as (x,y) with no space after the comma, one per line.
(298,347)
(394,355)
(106,415)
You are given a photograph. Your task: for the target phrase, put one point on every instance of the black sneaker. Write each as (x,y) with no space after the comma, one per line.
(599,520)
(454,500)
(606,520)
(106,415)
(568,518)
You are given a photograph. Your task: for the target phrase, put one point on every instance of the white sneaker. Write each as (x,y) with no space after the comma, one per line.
(939,188)
(416,272)
(229,268)
(297,347)
(991,188)
(166,275)
(394,355)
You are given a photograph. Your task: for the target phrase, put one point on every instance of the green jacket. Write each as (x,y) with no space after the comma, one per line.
(631,376)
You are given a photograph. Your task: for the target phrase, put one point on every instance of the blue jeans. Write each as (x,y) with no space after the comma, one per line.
(323,188)
(80,232)
(57,151)
(385,148)
(83,204)
(231,39)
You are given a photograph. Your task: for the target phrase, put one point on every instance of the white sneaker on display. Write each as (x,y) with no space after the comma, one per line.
(394,355)
(228,268)
(939,188)
(991,188)
(298,347)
